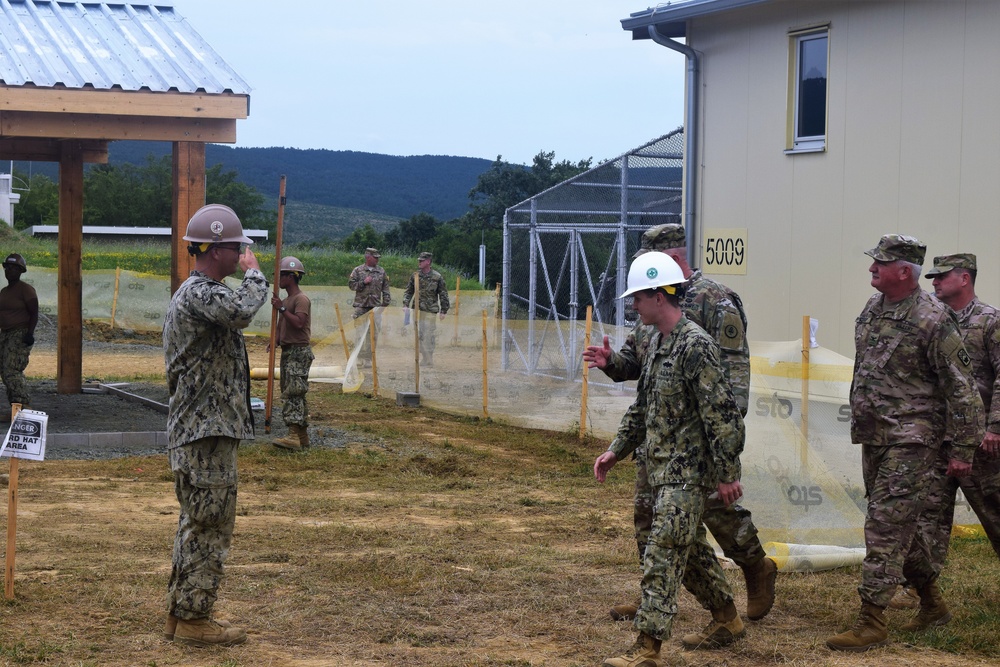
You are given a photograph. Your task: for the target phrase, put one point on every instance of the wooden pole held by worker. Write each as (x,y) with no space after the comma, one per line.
(12,482)
(584,374)
(269,402)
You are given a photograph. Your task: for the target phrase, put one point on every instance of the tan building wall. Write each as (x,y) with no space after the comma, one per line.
(913,146)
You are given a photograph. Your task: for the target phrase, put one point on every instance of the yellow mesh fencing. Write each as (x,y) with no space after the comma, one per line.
(802,481)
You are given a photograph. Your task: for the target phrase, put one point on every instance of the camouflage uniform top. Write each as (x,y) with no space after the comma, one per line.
(980,327)
(912,376)
(375,293)
(208,373)
(432,289)
(684,417)
(719,311)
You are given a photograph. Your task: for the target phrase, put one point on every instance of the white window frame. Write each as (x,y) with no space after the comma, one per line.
(811,143)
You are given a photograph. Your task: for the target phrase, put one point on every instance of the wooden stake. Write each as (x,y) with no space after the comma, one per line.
(8,575)
(416,331)
(584,372)
(371,335)
(458,296)
(804,425)
(274,311)
(114,299)
(343,336)
(486,377)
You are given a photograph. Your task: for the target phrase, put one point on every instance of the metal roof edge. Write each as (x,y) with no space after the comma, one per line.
(676,13)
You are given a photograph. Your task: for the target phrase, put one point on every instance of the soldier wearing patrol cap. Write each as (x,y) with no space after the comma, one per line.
(18,319)
(293,336)
(912,378)
(686,426)
(433,302)
(954,280)
(371,291)
(719,311)
(208,377)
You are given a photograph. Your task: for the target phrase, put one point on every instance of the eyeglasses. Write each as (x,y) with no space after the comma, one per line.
(239,247)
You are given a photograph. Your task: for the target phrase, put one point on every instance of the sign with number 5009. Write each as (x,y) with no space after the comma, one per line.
(725,251)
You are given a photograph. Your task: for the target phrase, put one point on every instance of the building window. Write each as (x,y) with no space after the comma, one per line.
(807,90)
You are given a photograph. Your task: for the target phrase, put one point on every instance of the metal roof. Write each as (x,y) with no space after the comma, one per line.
(127,46)
(670,18)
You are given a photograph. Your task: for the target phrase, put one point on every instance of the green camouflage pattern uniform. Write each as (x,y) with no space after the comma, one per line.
(686,425)
(719,311)
(912,376)
(433,300)
(14,357)
(208,377)
(368,297)
(980,327)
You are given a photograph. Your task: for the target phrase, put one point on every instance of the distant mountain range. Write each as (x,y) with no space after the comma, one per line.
(329,193)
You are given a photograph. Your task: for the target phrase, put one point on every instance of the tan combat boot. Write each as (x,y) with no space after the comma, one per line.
(905,598)
(760,587)
(725,628)
(645,652)
(297,438)
(933,610)
(171,626)
(868,632)
(624,612)
(206,632)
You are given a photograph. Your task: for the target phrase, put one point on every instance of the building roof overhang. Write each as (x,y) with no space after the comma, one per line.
(670,19)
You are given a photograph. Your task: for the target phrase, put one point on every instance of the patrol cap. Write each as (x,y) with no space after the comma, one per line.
(425,255)
(372,251)
(14,259)
(893,247)
(945,263)
(662,237)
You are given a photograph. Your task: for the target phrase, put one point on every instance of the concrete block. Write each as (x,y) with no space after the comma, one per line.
(408,398)
(105,439)
(139,438)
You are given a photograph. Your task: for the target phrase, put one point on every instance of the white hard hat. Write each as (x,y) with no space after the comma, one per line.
(652,270)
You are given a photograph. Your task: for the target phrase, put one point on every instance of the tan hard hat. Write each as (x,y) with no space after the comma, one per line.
(291,264)
(215,223)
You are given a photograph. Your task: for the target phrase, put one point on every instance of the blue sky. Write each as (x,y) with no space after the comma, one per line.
(445,77)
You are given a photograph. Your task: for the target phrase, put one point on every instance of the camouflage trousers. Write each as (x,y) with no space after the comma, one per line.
(897,482)
(678,553)
(362,336)
(732,526)
(13,360)
(295,363)
(205,484)
(428,335)
(981,490)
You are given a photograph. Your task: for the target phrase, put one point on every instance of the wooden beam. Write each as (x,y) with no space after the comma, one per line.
(95,126)
(189,196)
(124,103)
(50,150)
(69,350)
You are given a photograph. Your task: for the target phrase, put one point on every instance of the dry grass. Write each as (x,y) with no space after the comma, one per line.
(428,540)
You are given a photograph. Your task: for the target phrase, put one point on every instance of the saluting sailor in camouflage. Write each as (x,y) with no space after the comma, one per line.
(912,377)
(719,311)
(433,301)
(208,377)
(691,434)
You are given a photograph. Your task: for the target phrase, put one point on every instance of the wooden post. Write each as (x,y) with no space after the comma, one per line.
(114,299)
(8,575)
(458,296)
(69,350)
(416,332)
(269,400)
(343,336)
(371,335)
(486,376)
(804,424)
(188,173)
(584,373)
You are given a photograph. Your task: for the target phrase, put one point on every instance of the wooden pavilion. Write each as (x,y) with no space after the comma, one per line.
(75,76)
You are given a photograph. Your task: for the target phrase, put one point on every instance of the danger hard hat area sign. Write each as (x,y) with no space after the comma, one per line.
(25,438)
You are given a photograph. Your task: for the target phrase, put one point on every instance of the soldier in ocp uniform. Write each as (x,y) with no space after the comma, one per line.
(688,430)
(912,379)
(719,311)
(371,290)
(208,377)
(18,319)
(433,303)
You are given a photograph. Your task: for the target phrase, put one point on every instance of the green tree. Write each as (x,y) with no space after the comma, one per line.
(39,203)
(411,235)
(361,238)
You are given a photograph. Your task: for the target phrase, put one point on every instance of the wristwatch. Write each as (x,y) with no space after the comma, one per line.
(282,309)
